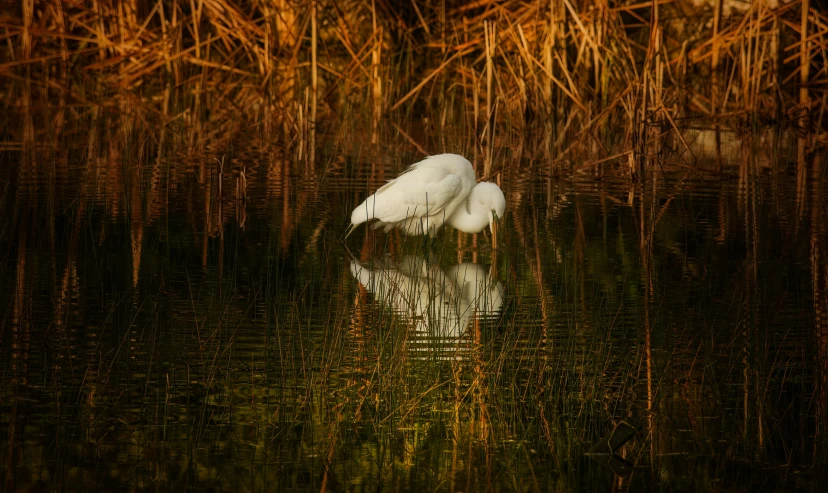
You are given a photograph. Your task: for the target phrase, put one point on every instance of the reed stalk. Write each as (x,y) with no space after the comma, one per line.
(714,59)
(314,86)
(804,111)
(804,66)
(490,33)
(376,81)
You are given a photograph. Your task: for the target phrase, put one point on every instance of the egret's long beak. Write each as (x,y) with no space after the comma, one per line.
(493,219)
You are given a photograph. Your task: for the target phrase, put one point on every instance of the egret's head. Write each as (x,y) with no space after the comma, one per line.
(492,198)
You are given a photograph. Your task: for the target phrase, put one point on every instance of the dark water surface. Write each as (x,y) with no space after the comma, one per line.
(170,322)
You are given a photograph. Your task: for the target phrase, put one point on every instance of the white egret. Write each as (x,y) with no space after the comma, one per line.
(439,189)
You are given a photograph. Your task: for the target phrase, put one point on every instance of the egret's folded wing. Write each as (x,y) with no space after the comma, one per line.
(406,198)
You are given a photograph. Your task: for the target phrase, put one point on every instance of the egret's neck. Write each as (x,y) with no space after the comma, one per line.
(473,219)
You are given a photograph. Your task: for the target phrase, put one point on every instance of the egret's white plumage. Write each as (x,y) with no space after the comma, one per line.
(439,189)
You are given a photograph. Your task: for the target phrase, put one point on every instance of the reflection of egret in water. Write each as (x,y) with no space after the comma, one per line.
(439,304)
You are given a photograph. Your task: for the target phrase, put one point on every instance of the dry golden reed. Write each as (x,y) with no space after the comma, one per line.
(609,80)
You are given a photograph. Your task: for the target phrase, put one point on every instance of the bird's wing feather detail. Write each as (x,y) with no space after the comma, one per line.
(434,187)
(404,198)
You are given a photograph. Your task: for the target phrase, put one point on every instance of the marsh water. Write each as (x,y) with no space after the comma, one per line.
(196,321)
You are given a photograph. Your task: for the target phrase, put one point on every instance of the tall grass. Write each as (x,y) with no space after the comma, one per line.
(606,82)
